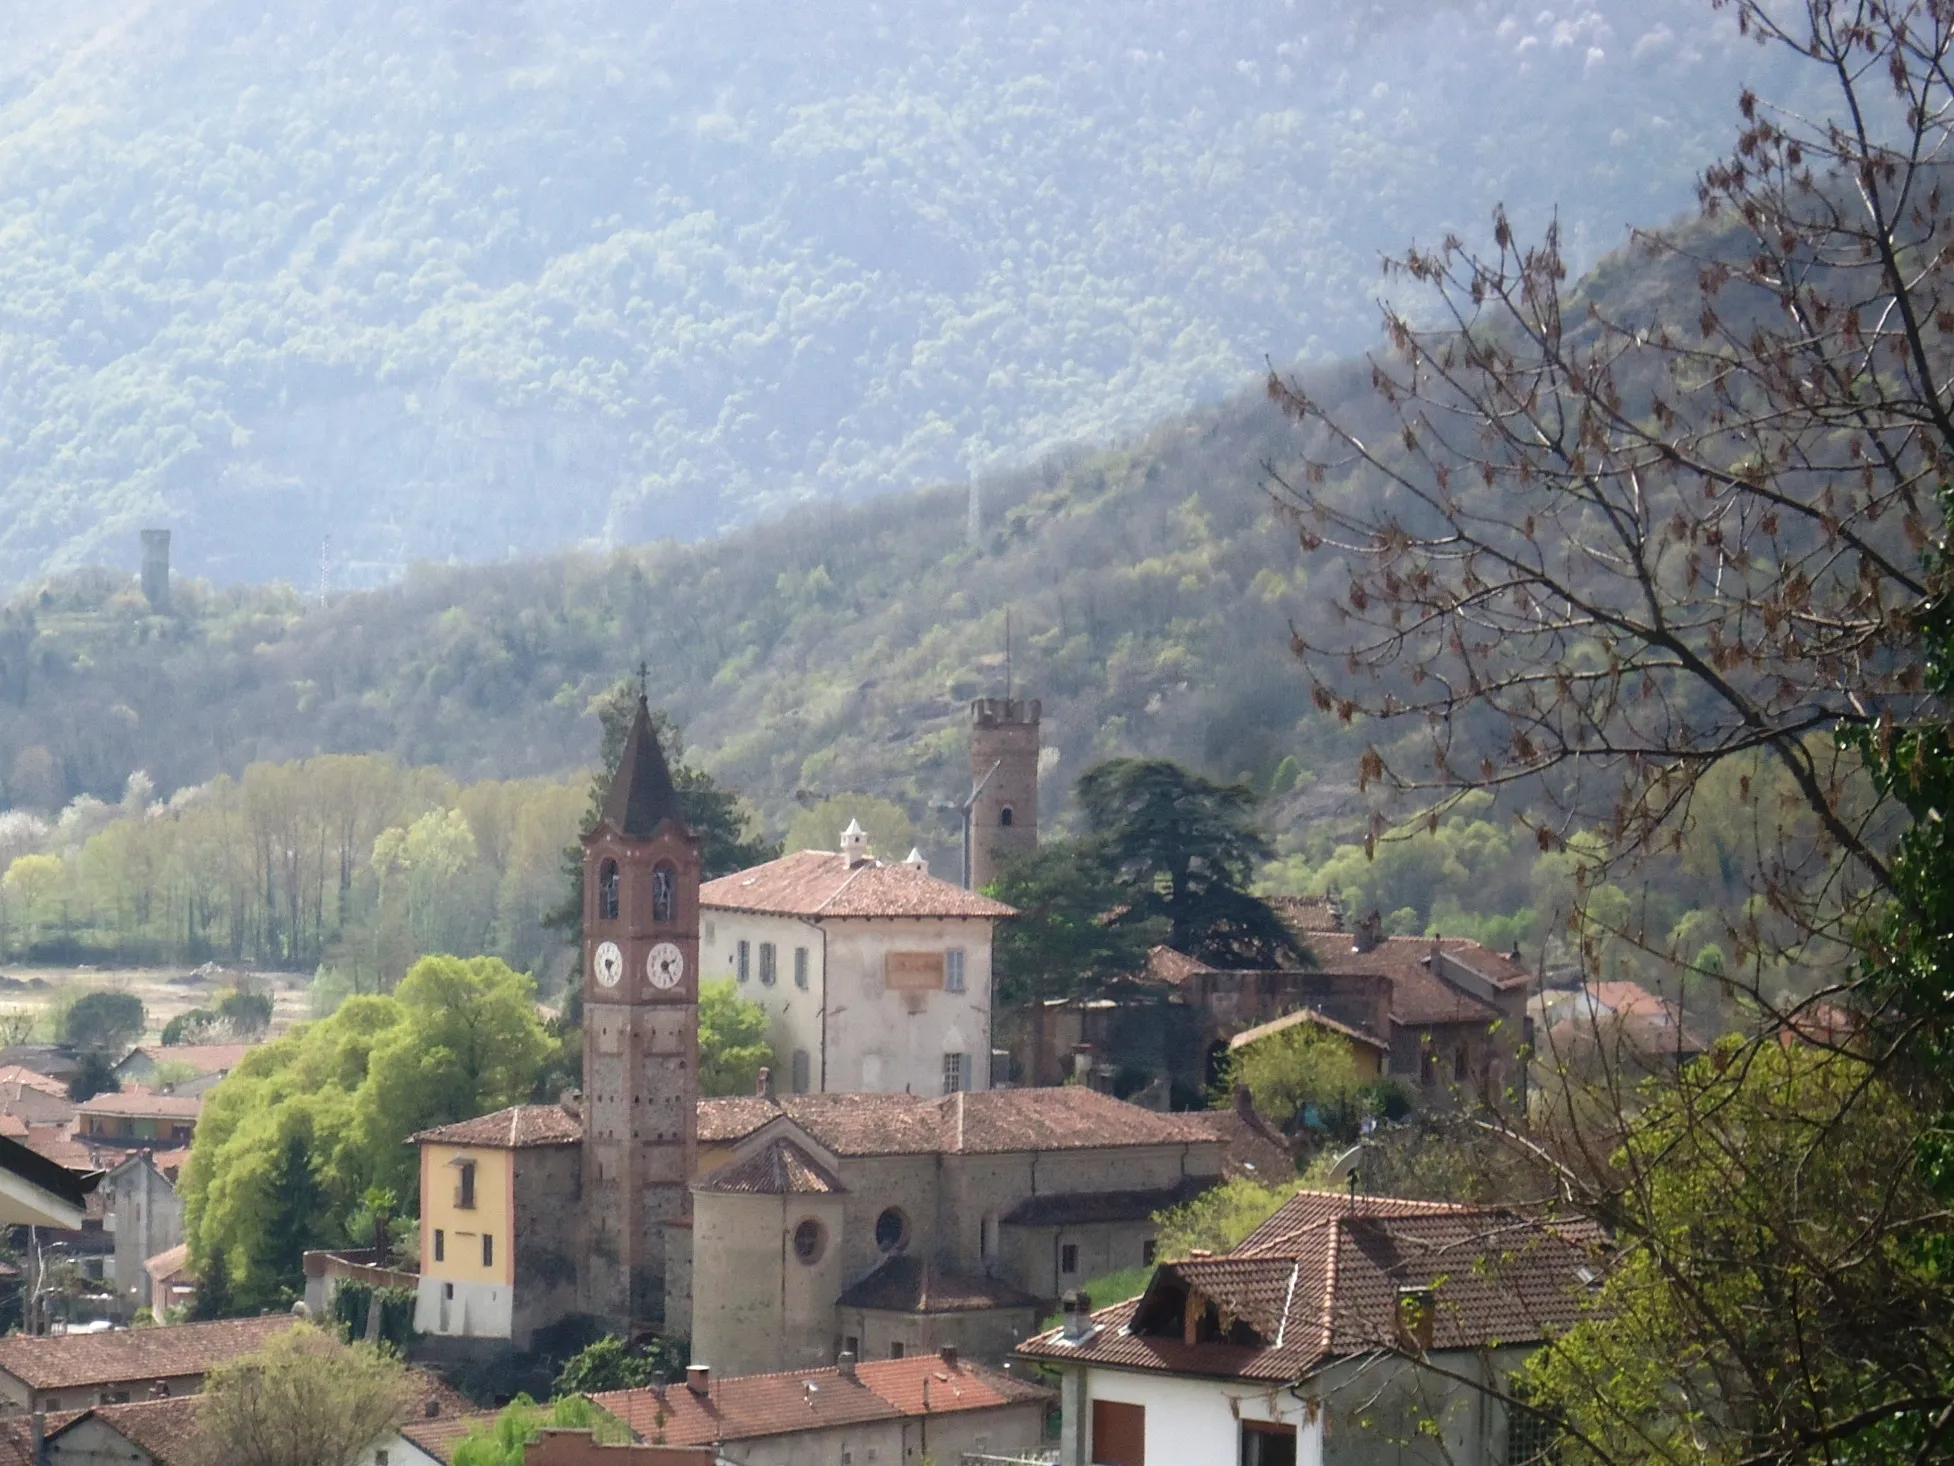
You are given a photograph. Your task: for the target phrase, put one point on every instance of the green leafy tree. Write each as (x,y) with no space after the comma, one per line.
(506,1440)
(196,1026)
(305,1399)
(105,1023)
(733,1045)
(94,1075)
(246,1014)
(611,1364)
(1219,1218)
(1301,1068)
(1183,850)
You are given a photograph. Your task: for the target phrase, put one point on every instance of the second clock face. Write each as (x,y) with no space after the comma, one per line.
(665,965)
(608,963)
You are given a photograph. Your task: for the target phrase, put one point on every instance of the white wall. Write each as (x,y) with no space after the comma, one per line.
(874,1041)
(477,1310)
(1193,1422)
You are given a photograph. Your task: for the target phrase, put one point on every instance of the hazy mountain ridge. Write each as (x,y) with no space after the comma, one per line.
(464,281)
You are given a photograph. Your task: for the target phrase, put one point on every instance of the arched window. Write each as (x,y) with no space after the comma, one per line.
(607,884)
(891,1230)
(664,893)
(1004,815)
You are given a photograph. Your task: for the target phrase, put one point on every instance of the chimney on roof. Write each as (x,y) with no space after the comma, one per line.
(1078,1316)
(571,1101)
(698,1379)
(1368,932)
(854,845)
(948,1354)
(845,1364)
(763,1083)
(38,1438)
(431,1409)
(914,860)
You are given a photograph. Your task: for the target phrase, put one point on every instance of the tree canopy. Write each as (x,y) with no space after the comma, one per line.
(305,1399)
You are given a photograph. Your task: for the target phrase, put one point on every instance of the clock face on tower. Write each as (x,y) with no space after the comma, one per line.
(608,963)
(665,965)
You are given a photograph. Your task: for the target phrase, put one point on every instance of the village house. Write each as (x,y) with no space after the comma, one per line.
(1614,1025)
(206,1064)
(75,1371)
(145,1217)
(131,1121)
(1345,1329)
(876,977)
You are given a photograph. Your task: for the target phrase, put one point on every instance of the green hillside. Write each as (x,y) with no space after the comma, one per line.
(331,283)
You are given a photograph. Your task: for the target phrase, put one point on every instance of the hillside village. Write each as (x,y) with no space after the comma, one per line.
(752,738)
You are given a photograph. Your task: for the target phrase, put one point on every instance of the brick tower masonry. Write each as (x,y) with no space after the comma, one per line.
(1004,818)
(641,1034)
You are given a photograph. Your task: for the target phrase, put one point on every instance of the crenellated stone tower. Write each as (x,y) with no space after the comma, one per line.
(1004,816)
(640,1033)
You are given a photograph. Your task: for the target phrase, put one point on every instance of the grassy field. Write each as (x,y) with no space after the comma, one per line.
(40,993)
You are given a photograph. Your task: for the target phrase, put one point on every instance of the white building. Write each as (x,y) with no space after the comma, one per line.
(1344,1331)
(876,976)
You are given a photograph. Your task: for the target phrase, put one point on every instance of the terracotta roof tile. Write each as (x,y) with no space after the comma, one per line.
(438,1438)
(12,1074)
(816,883)
(145,1106)
(1302,914)
(167,1264)
(164,1429)
(1165,964)
(752,1406)
(71,1361)
(779,1168)
(36,1105)
(204,1058)
(1324,1279)
(913,1285)
(515,1128)
(1418,995)
(733,1118)
(1307,1015)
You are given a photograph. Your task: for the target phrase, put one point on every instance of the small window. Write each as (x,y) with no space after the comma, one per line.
(953,970)
(1068,1259)
(440,1245)
(810,1241)
(488,1250)
(664,894)
(956,1073)
(607,889)
(891,1230)
(1004,816)
(803,1079)
(448,1291)
(1266,1444)
(1149,1250)
(852,1345)
(380,1458)
(465,1185)
(800,968)
(712,932)
(742,954)
(767,970)
(1461,1064)
(895,1349)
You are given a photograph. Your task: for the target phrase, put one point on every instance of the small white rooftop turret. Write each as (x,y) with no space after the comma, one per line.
(854,844)
(914,860)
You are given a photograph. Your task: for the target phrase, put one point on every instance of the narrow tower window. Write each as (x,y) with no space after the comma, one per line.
(664,893)
(1004,815)
(607,884)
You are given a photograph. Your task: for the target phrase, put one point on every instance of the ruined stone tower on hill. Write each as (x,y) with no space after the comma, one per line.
(1004,762)
(641,1033)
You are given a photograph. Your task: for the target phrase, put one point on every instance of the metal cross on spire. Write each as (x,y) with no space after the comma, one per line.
(644,680)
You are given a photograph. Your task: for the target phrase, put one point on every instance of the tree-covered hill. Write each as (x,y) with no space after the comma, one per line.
(441,280)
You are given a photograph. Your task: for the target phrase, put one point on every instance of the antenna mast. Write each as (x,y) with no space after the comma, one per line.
(1007,655)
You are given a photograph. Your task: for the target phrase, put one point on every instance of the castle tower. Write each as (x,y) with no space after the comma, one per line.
(1004,760)
(640,1034)
(156,568)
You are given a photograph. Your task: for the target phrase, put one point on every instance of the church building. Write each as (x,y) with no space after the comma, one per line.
(929,1214)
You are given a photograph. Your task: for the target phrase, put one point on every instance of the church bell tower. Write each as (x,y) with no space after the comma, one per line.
(640,1033)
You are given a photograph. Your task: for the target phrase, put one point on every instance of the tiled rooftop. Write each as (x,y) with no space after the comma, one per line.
(1311,1016)
(204,1058)
(145,1106)
(72,1361)
(749,1407)
(914,1285)
(1323,1279)
(779,1168)
(511,1129)
(816,883)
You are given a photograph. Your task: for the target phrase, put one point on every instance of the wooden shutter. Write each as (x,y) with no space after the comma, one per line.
(1119,1434)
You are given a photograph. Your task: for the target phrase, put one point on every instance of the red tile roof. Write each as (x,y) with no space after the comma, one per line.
(72,1361)
(20,1074)
(1324,1279)
(145,1106)
(779,1168)
(748,1407)
(1307,1015)
(1420,996)
(912,1285)
(733,1118)
(438,1438)
(204,1058)
(816,883)
(515,1128)
(164,1429)
(167,1264)
(1079,1208)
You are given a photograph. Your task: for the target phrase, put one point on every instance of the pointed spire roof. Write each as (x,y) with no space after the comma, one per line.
(642,797)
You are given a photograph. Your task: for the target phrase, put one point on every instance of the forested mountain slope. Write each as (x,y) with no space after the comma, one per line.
(330,279)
